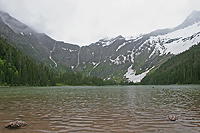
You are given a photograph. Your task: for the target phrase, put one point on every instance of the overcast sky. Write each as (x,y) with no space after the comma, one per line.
(85,21)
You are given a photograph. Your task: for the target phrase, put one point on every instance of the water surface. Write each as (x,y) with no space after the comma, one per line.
(101,109)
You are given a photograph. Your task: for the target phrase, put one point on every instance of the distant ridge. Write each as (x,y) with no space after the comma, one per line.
(118,58)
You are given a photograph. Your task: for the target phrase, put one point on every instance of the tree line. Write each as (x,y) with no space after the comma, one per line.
(180,69)
(17,69)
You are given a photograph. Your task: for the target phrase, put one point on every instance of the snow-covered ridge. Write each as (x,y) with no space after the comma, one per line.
(129,40)
(175,42)
(182,33)
(107,41)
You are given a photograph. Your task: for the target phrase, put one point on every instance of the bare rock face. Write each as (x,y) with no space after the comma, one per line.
(16,124)
(173,117)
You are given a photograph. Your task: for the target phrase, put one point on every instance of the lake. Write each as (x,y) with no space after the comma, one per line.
(101,109)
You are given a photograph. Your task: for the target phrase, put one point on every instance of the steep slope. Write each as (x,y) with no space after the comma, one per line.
(18,70)
(132,58)
(120,58)
(180,69)
(37,46)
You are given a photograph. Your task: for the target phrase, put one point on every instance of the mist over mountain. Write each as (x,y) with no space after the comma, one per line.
(118,58)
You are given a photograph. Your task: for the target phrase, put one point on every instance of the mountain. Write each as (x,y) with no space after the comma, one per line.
(183,68)
(18,70)
(132,58)
(37,46)
(119,58)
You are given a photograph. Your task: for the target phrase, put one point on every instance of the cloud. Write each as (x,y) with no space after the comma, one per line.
(85,21)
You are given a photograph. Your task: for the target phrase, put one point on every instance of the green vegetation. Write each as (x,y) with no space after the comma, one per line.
(141,62)
(181,69)
(17,69)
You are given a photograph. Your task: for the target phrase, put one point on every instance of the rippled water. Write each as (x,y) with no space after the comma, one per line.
(101,109)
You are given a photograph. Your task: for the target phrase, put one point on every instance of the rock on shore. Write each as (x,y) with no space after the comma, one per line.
(173,117)
(16,124)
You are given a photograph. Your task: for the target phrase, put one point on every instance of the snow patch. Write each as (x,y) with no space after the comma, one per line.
(120,46)
(94,67)
(71,50)
(132,56)
(22,33)
(32,46)
(130,75)
(96,64)
(107,43)
(117,61)
(93,63)
(182,45)
(78,57)
(158,50)
(64,48)
(54,47)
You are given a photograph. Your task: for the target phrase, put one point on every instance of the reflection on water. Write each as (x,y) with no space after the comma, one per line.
(101,109)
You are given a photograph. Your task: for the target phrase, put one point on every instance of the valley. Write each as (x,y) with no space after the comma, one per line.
(118,59)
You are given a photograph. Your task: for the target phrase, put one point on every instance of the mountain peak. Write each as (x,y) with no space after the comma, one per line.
(119,36)
(194,13)
(14,24)
(193,18)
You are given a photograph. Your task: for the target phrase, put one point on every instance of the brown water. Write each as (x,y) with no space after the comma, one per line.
(101,109)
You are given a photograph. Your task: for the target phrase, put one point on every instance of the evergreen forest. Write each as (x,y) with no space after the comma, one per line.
(181,69)
(17,69)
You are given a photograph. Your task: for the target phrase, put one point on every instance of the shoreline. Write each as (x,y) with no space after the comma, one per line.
(4,86)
